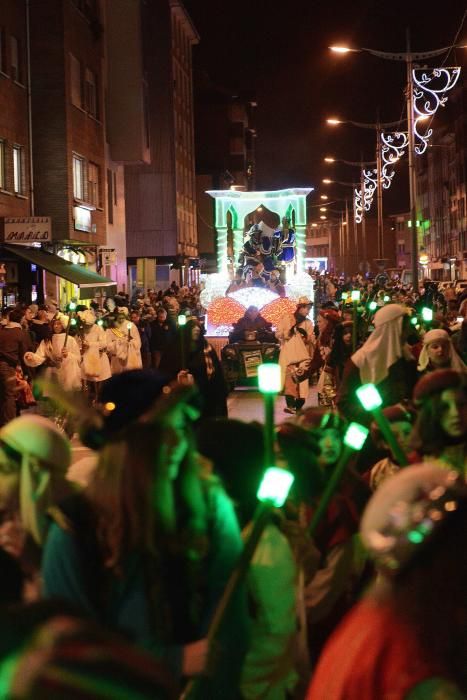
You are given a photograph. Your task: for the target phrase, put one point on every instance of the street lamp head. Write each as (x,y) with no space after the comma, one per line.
(314,225)
(322,217)
(329,160)
(340,49)
(326,181)
(324,196)
(333,121)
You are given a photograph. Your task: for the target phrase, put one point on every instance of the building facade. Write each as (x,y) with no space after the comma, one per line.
(161,194)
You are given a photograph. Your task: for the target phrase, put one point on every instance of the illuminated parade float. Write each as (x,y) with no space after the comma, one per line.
(258,264)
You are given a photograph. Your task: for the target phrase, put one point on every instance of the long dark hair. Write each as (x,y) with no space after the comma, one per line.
(340,352)
(428,437)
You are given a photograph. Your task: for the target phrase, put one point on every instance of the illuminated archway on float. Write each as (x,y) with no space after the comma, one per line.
(232,207)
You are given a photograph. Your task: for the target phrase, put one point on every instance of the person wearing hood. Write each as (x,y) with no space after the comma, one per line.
(95,367)
(438,352)
(384,360)
(406,639)
(34,458)
(124,344)
(60,356)
(295,334)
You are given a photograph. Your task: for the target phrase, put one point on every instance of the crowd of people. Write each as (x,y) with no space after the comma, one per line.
(111,582)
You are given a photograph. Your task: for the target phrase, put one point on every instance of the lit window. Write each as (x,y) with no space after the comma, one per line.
(75,78)
(18,169)
(93,184)
(78,177)
(90,92)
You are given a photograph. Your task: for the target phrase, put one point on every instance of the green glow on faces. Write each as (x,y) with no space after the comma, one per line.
(355,436)
(269,378)
(369,397)
(275,486)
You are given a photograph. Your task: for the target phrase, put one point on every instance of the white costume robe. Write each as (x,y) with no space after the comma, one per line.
(96,365)
(124,347)
(294,349)
(67,370)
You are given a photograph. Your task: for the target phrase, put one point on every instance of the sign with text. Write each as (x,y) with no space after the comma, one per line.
(24,230)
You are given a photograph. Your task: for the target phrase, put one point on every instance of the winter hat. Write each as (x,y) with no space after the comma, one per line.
(406,510)
(436,382)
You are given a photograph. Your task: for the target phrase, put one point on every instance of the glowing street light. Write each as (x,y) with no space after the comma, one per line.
(329,160)
(323,208)
(326,181)
(342,49)
(323,217)
(333,121)
(324,196)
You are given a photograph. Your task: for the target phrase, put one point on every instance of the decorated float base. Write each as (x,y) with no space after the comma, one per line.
(223,310)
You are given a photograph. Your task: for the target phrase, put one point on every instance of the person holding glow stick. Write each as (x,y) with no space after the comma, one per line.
(124,344)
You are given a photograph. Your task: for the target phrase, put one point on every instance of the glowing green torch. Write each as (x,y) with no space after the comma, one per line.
(371,400)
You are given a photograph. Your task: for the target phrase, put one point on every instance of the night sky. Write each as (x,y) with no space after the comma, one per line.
(279,51)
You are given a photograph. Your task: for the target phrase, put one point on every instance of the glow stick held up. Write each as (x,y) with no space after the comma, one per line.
(371,400)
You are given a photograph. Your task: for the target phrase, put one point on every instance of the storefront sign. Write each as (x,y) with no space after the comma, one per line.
(24,230)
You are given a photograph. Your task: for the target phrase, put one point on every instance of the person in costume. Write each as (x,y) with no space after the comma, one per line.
(438,352)
(384,360)
(295,334)
(61,357)
(123,344)
(401,418)
(327,322)
(407,638)
(440,431)
(34,458)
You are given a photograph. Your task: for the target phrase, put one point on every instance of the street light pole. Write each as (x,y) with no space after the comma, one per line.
(379,194)
(412,177)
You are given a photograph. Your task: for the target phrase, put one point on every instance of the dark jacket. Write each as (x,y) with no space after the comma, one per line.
(12,346)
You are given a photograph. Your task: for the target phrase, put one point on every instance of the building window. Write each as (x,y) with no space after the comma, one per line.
(90,93)
(18,170)
(75,79)
(78,177)
(2,165)
(93,185)
(110,197)
(15,59)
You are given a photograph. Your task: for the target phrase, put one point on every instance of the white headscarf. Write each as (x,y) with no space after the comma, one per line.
(440,335)
(384,346)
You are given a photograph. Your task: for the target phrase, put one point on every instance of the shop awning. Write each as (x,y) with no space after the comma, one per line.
(87,280)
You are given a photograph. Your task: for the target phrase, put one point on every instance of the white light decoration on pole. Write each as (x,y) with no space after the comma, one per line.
(393,147)
(429,93)
(371,183)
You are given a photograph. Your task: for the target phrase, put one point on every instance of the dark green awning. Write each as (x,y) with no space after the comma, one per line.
(87,280)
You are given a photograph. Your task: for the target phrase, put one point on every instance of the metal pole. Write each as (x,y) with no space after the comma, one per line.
(362,187)
(379,194)
(269,437)
(412,179)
